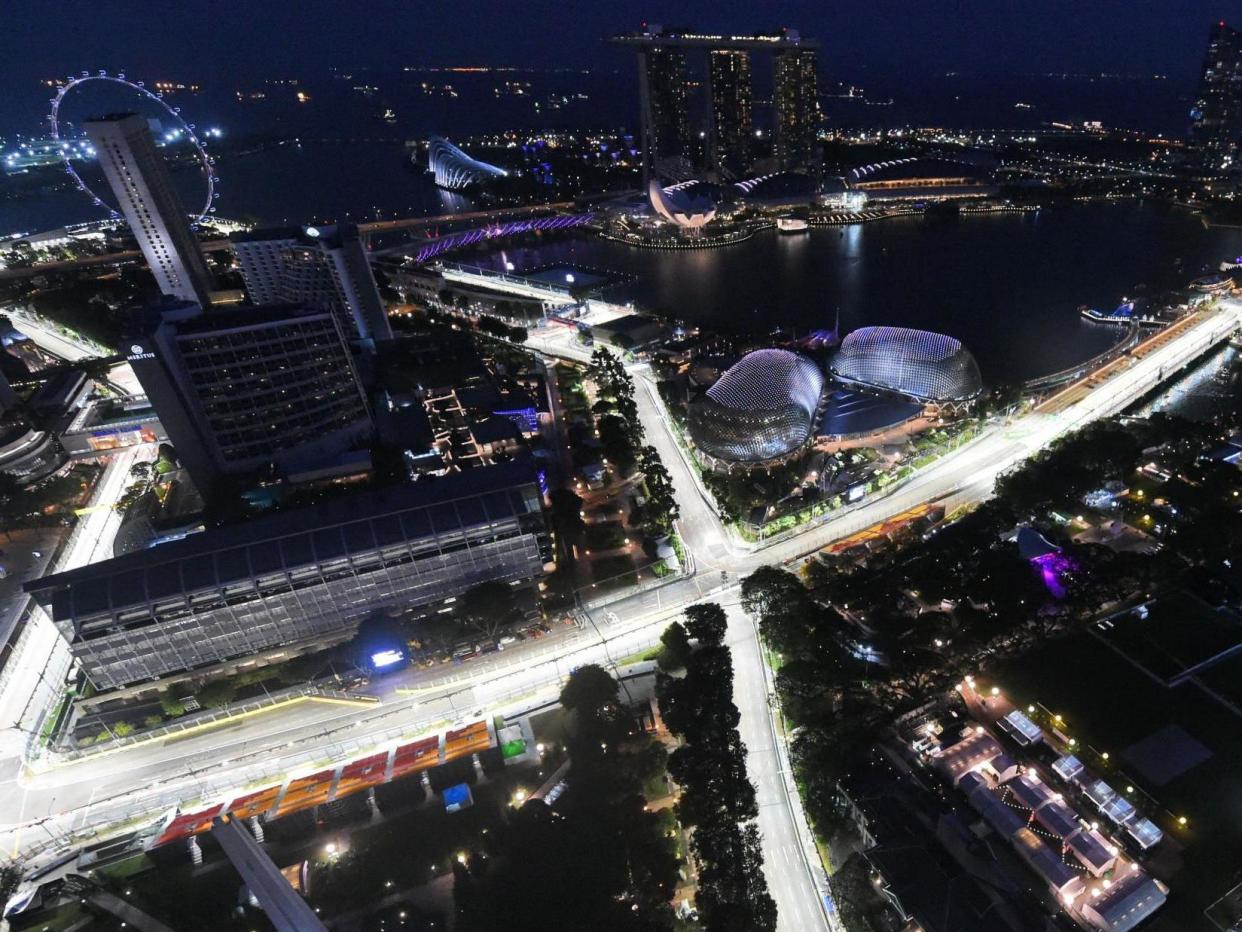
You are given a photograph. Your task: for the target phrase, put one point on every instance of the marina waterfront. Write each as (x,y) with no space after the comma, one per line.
(1017,309)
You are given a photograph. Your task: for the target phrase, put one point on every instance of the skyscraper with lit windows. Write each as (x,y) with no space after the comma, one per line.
(1216,117)
(320,266)
(731,90)
(140,180)
(246,389)
(796,103)
(666,125)
(666,89)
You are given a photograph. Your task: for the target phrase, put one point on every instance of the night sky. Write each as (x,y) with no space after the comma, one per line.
(995,36)
(863,40)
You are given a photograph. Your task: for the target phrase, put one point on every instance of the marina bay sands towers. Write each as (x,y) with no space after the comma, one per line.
(728,143)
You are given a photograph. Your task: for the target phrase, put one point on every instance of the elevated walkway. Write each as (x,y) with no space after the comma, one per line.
(284,906)
(504,283)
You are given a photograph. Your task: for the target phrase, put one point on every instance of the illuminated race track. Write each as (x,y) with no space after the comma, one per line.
(50,804)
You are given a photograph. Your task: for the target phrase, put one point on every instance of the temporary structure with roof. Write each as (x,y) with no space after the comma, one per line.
(1124,904)
(1145,832)
(1003,819)
(1093,851)
(972,752)
(1002,768)
(1028,792)
(1119,810)
(1021,728)
(1099,792)
(1058,819)
(1069,768)
(1063,879)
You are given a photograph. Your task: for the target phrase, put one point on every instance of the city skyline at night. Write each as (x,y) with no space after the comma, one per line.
(707,468)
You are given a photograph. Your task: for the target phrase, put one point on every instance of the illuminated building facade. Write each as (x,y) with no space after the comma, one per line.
(1216,117)
(796,101)
(298,579)
(762,410)
(456,171)
(140,181)
(688,204)
(915,364)
(239,390)
(732,92)
(666,126)
(921,178)
(664,88)
(324,267)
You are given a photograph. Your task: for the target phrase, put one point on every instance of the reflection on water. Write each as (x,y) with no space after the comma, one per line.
(1210,389)
(1007,285)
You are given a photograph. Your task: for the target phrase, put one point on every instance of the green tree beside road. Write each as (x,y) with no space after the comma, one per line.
(600,858)
(718,801)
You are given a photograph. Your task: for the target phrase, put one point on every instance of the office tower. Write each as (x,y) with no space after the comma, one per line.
(729,77)
(325,267)
(666,128)
(797,107)
(243,389)
(1216,118)
(300,579)
(139,178)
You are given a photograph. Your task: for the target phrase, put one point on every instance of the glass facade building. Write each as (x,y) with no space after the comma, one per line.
(1216,117)
(796,101)
(731,92)
(666,126)
(917,364)
(143,187)
(762,409)
(454,170)
(238,390)
(299,578)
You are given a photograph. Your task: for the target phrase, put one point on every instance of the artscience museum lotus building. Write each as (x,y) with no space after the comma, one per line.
(762,410)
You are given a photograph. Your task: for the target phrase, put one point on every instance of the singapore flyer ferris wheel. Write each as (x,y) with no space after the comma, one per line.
(182,131)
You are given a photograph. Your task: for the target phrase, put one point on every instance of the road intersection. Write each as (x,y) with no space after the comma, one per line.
(48,803)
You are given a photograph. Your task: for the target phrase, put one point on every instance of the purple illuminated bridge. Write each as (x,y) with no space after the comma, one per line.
(450,241)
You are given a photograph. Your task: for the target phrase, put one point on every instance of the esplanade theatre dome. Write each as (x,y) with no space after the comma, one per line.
(763,408)
(929,367)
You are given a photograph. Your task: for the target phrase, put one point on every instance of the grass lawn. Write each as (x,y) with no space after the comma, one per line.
(1176,634)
